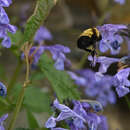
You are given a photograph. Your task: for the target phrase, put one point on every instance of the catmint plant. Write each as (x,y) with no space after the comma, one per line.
(81,94)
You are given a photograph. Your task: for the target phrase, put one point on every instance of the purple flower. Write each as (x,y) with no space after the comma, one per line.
(77,118)
(2,119)
(3,90)
(110,37)
(78,79)
(5,3)
(105,62)
(42,34)
(96,85)
(3,16)
(57,52)
(121,82)
(4,24)
(103,125)
(58,55)
(120,1)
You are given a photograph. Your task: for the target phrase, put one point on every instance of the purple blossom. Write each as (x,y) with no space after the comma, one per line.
(110,37)
(78,79)
(3,16)
(3,90)
(96,85)
(58,56)
(105,62)
(42,34)
(5,3)
(121,82)
(77,118)
(5,25)
(2,119)
(120,1)
(57,52)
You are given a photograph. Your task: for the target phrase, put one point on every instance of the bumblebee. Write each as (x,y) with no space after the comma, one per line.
(123,63)
(87,39)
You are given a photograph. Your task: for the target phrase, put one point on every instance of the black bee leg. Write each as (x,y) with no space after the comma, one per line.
(90,51)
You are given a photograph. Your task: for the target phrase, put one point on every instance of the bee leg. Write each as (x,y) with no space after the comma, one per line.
(93,53)
(90,51)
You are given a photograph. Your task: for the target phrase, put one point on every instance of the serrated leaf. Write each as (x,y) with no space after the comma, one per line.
(32,120)
(60,81)
(41,11)
(37,101)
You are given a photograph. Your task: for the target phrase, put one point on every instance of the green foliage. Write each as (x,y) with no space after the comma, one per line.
(36,76)
(34,99)
(4,106)
(41,11)
(61,83)
(24,129)
(32,120)
(16,38)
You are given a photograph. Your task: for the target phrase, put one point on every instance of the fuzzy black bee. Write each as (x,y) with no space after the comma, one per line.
(87,39)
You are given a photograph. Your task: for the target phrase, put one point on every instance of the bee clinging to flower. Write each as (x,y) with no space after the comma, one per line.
(87,39)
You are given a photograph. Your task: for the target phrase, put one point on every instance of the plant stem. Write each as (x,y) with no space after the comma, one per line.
(14,77)
(17,109)
(21,96)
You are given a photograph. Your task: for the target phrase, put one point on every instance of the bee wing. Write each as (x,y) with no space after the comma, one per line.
(125,32)
(96,106)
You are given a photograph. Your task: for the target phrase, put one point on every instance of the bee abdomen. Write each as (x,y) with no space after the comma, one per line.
(84,42)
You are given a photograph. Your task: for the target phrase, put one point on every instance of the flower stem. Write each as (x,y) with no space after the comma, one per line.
(21,95)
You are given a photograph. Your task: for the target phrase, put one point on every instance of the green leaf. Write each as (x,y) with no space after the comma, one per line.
(41,11)
(16,38)
(35,100)
(24,129)
(32,120)
(5,107)
(61,83)
(37,76)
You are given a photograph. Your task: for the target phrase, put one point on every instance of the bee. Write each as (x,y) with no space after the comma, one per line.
(88,38)
(95,105)
(124,63)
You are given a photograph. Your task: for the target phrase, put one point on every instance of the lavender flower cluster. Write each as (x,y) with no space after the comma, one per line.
(97,85)
(79,117)
(5,25)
